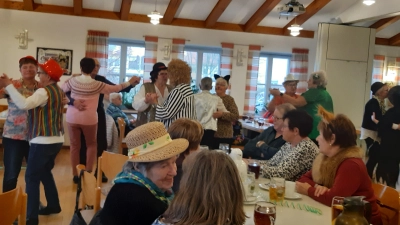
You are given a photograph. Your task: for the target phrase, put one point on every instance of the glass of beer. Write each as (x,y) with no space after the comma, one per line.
(277,189)
(337,207)
(254,167)
(264,213)
(260,122)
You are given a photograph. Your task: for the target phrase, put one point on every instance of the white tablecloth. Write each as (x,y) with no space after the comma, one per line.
(293,216)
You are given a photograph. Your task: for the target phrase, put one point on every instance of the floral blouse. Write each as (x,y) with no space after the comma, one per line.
(16,124)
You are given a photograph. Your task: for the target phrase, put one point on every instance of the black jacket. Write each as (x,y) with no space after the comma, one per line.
(371,106)
(269,149)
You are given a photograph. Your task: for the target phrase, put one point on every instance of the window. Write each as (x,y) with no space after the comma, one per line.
(271,73)
(125,59)
(205,62)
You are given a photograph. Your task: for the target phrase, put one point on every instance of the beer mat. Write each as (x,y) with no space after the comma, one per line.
(299,206)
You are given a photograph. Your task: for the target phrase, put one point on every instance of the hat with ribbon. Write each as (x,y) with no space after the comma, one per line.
(151,143)
(289,78)
(53,69)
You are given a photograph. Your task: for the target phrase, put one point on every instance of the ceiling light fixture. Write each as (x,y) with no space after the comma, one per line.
(295,29)
(369,2)
(155,16)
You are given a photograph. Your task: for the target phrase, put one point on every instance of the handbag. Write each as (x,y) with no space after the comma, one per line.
(77,218)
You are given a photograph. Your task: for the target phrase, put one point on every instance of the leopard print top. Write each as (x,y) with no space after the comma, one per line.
(224,124)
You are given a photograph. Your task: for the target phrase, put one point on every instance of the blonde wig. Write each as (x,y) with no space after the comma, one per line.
(179,72)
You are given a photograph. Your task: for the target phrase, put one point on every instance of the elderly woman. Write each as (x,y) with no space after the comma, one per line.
(309,100)
(142,191)
(369,129)
(219,178)
(115,111)
(158,88)
(290,85)
(190,130)
(268,143)
(296,156)
(224,133)
(180,101)
(330,175)
(15,137)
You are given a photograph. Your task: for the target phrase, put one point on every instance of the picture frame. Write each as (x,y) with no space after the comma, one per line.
(62,56)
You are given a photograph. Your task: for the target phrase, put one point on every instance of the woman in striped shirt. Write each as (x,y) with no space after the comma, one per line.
(180,102)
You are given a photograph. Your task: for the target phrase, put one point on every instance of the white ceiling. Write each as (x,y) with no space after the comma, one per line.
(238,11)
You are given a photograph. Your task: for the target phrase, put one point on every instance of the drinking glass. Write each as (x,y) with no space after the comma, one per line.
(254,167)
(224,147)
(277,189)
(260,122)
(251,183)
(337,207)
(264,213)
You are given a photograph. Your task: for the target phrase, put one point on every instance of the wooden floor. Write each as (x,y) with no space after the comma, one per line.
(66,189)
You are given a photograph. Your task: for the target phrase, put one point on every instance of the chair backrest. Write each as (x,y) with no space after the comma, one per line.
(121,128)
(13,205)
(388,200)
(90,194)
(111,164)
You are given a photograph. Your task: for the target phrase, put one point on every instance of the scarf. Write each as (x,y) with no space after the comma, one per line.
(135,177)
(324,168)
(381,104)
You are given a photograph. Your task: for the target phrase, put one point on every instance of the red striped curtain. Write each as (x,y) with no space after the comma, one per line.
(251,78)
(378,68)
(299,67)
(226,59)
(150,56)
(178,46)
(97,47)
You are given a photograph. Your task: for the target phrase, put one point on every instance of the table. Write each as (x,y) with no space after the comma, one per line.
(253,127)
(290,216)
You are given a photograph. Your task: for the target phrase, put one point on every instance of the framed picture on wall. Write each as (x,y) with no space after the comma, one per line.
(62,56)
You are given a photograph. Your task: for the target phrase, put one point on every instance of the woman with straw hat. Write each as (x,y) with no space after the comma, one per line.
(142,191)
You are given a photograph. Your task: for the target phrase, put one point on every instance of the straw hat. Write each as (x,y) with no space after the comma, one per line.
(151,143)
(289,78)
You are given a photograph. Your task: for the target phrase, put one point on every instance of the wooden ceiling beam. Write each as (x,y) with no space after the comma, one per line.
(395,40)
(92,13)
(217,11)
(78,7)
(381,41)
(29,5)
(260,14)
(383,23)
(125,9)
(170,13)
(311,10)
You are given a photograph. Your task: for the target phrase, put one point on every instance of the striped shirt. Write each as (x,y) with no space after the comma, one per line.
(179,104)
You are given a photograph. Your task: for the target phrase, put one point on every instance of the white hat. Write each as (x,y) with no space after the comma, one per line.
(289,77)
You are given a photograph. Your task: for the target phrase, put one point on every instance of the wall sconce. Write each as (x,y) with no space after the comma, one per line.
(239,57)
(22,39)
(167,51)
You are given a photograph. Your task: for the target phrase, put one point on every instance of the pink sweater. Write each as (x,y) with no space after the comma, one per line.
(85,88)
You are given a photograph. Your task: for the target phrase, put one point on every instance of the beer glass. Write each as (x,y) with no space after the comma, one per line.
(264,213)
(254,167)
(337,207)
(277,189)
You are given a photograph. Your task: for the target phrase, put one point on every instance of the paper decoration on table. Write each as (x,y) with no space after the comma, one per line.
(300,206)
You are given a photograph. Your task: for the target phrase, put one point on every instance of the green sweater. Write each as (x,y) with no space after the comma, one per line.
(315,97)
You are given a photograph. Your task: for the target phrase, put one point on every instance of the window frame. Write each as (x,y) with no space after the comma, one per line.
(200,51)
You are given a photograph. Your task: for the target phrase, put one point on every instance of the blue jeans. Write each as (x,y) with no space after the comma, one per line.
(40,163)
(14,152)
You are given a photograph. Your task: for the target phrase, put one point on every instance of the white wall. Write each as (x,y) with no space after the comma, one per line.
(387,51)
(69,32)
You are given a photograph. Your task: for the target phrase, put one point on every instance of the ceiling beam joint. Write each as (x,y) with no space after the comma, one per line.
(78,7)
(217,11)
(125,9)
(383,23)
(260,14)
(170,13)
(29,5)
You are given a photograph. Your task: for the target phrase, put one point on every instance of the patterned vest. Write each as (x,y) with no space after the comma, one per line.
(149,114)
(48,120)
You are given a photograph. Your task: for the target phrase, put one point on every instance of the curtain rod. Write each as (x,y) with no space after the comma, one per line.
(262,46)
(168,38)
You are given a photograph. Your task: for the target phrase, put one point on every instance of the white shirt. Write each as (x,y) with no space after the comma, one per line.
(206,104)
(138,100)
(39,98)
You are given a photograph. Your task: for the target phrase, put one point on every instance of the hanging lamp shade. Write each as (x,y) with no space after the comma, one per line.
(369,2)
(155,17)
(295,29)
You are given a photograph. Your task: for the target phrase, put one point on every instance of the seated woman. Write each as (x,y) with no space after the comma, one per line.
(115,111)
(142,191)
(339,169)
(267,144)
(190,130)
(296,156)
(219,178)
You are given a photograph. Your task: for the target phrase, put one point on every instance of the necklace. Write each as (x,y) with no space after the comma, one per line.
(26,86)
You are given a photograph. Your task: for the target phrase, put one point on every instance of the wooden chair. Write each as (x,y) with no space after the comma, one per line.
(121,128)
(90,194)
(111,164)
(388,200)
(13,206)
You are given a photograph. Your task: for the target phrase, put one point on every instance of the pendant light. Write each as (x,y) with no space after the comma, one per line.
(368,2)
(155,16)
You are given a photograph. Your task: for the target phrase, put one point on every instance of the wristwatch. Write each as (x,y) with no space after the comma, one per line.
(281,94)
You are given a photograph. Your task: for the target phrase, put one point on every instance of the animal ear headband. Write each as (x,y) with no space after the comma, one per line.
(227,77)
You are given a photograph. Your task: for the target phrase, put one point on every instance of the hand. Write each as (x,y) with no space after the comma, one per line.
(259,143)
(302,188)
(373,118)
(320,190)
(80,104)
(132,121)
(274,92)
(4,81)
(150,98)
(217,114)
(134,80)
(65,100)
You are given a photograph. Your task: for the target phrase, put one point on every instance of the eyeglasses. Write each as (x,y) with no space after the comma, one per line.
(163,74)
(277,118)
(38,73)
